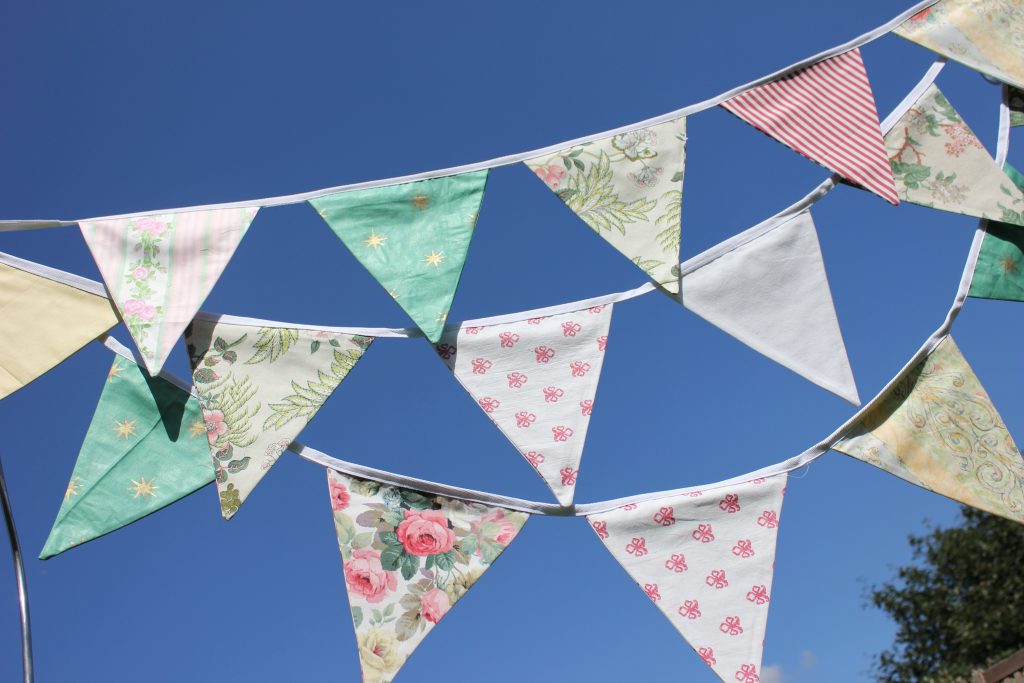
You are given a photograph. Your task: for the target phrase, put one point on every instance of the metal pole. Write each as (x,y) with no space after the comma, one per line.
(19,574)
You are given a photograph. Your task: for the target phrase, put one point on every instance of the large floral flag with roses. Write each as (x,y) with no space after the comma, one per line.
(937,428)
(985,35)
(999,270)
(408,558)
(706,560)
(258,387)
(537,380)
(629,189)
(145,449)
(413,238)
(940,163)
(159,269)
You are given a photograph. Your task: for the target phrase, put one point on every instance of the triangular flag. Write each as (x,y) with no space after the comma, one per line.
(536,379)
(786,313)
(1015,102)
(937,428)
(986,36)
(44,322)
(159,269)
(706,560)
(258,387)
(413,238)
(629,189)
(409,557)
(826,112)
(999,271)
(145,449)
(940,163)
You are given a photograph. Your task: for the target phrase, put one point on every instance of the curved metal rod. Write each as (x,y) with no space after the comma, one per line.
(19,575)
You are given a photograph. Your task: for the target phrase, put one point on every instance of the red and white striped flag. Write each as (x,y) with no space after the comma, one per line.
(827,113)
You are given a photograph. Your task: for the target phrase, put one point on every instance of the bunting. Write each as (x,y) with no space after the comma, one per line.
(408,558)
(706,560)
(413,238)
(940,163)
(537,381)
(258,387)
(999,270)
(144,450)
(629,189)
(937,428)
(825,112)
(1015,102)
(784,313)
(159,269)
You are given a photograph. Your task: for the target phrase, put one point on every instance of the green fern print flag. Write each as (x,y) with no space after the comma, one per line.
(999,272)
(258,387)
(145,449)
(412,237)
(629,189)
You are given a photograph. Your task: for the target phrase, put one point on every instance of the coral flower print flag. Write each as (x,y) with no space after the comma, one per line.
(159,269)
(413,238)
(629,189)
(408,558)
(258,387)
(706,560)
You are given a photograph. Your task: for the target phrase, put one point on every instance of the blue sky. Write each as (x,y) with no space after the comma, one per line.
(116,107)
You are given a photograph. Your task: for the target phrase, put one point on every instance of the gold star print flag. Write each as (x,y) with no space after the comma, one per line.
(145,449)
(412,237)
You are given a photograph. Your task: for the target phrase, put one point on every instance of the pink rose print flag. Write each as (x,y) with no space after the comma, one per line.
(159,269)
(537,380)
(706,560)
(408,558)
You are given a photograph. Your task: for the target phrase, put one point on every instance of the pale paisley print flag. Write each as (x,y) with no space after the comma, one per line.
(706,560)
(937,428)
(939,162)
(629,189)
(258,387)
(408,558)
(159,269)
(537,380)
(413,238)
(145,449)
(999,271)
(986,35)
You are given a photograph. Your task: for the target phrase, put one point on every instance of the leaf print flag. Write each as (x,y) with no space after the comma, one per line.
(159,269)
(825,112)
(706,560)
(258,387)
(629,189)
(784,313)
(999,270)
(537,381)
(937,428)
(939,162)
(408,558)
(145,449)
(413,238)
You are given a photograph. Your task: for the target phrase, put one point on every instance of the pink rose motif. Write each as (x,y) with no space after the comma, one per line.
(708,655)
(215,424)
(506,529)
(652,591)
(434,604)
(731,626)
(716,579)
(758,595)
(602,529)
(768,519)
(150,225)
(139,309)
(562,433)
(489,404)
(552,175)
(140,273)
(516,380)
(747,674)
(446,351)
(367,578)
(524,419)
(703,533)
(339,496)
(586,407)
(552,394)
(602,342)
(473,330)
(568,476)
(676,563)
(730,504)
(425,532)
(535,321)
(535,458)
(690,609)
(507,339)
(744,549)
(481,366)
(571,329)
(578,368)
(544,353)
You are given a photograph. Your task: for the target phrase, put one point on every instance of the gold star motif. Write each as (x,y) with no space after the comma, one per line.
(374,240)
(420,201)
(72,489)
(124,429)
(393,293)
(435,258)
(473,216)
(197,428)
(442,316)
(115,371)
(143,487)
(1008,264)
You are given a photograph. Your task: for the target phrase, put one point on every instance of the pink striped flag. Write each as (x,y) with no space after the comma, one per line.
(826,112)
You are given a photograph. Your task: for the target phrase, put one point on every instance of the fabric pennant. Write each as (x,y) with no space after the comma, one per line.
(937,428)
(159,269)
(985,35)
(999,270)
(44,322)
(629,189)
(144,450)
(258,387)
(408,558)
(1015,102)
(825,112)
(537,381)
(706,560)
(413,238)
(941,164)
(784,313)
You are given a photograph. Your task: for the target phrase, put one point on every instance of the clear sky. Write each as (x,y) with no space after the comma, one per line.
(114,107)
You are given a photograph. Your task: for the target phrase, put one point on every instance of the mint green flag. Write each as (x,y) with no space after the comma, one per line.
(999,272)
(145,449)
(412,237)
